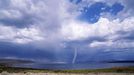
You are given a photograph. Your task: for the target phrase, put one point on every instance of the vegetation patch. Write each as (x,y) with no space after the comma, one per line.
(108,70)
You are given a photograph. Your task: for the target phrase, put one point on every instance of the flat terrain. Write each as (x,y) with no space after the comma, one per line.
(4,70)
(66,74)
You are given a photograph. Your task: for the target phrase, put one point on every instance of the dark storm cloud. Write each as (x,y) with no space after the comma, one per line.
(24,52)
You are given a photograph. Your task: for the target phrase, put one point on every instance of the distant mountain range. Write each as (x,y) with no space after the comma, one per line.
(22,61)
(10,62)
(120,61)
(60,65)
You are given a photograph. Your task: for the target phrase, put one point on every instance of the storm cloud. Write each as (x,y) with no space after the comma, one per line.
(58,27)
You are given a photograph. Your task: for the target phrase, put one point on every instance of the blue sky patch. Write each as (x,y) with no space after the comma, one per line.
(92,14)
(75,1)
(117,7)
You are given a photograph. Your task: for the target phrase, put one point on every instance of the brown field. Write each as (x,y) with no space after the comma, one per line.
(5,73)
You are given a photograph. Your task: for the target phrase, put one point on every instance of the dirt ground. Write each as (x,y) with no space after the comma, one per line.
(65,74)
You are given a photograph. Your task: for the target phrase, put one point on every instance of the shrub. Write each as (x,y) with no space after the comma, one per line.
(4,73)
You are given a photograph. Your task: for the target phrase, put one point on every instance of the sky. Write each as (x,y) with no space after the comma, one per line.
(67,31)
